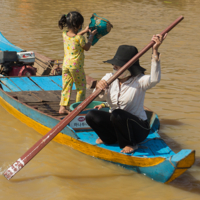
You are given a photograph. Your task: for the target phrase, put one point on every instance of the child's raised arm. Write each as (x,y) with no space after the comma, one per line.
(90,39)
(84,31)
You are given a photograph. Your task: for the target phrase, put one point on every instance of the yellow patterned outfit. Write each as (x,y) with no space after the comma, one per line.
(73,71)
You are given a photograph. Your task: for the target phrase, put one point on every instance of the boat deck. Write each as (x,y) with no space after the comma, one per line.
(151,147)
(46,101)
(42,93)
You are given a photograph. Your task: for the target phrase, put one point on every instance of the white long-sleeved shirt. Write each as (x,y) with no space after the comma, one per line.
(130,96)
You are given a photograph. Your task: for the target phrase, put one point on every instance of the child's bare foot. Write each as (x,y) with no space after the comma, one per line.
(99,141)
(129,149)
(62,110)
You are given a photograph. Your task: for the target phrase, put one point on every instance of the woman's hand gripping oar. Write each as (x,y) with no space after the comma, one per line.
(36,148)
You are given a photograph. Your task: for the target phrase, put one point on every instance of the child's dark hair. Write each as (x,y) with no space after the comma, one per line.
(71,20)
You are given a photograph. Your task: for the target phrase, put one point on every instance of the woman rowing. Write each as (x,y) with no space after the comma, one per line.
(126,123)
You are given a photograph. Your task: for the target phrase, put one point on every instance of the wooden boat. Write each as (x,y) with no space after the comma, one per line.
(35,101)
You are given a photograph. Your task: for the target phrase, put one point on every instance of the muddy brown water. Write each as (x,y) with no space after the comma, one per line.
(60,172)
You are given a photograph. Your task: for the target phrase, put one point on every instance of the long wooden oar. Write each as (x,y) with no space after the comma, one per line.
(36,148)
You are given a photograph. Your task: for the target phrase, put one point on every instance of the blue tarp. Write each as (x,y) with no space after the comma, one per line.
(5,45)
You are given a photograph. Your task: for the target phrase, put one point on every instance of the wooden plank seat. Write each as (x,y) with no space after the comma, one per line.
(35,96)
(46,96)
(47,101)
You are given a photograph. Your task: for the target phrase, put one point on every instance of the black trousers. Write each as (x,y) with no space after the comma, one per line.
(119,126)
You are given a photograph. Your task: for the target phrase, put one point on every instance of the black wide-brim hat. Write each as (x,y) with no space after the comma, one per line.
(123,55)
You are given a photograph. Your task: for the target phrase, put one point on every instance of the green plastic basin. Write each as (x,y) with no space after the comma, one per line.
(91,105)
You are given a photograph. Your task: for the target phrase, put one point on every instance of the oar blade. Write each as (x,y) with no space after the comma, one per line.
(13,169)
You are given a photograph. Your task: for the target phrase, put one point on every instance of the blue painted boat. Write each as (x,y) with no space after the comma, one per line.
(35,101)
(5,45)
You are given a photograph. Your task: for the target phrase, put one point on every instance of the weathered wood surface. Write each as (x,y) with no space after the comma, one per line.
(43,64)
(47,101)
(46,96)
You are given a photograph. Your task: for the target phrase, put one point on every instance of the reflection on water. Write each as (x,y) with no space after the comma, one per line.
(187,181)
(59,172)
(170,122)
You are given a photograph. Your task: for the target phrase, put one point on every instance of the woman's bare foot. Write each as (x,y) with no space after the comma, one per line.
(63,110)
(129,149)
(99,141)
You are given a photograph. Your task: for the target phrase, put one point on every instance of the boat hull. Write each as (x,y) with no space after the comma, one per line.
(162,169)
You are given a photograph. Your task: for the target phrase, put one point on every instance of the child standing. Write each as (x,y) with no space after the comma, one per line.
(74,46)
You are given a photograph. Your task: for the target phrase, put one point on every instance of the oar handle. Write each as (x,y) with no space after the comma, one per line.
(37,147)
